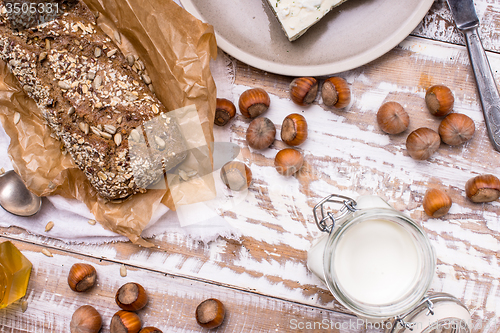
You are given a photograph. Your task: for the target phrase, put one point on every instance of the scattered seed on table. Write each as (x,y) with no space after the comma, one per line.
(92,222)
(49,226)
(47,253)
(123,270)
(24,306)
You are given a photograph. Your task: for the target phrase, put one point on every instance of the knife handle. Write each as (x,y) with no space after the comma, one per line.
(486,85)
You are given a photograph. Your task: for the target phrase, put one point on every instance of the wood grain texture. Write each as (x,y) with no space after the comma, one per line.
(262,277)
(171,306)
(350,155)
(439,25)
(345,153)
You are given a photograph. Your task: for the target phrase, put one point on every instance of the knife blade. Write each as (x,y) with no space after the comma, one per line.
(464,14)
(467,22)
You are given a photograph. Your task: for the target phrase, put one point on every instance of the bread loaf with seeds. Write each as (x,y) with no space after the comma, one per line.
(94,99)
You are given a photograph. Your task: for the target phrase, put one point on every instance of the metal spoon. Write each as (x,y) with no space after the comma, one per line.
(15,197)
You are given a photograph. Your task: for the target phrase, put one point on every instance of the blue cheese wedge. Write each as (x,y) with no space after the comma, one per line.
(296,16)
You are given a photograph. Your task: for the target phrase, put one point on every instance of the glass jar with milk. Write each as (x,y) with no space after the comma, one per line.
(379,264)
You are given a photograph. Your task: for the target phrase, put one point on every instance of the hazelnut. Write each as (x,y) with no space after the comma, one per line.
(125,322)
(422,143)
(335,92)
(254,102)
(81,277)
(436,202)
(85,319)
(483,188)
(261,133)
(288,161)
(210,313)
(236,175)
(294,129)
(224,111)
(303,90)
(439,100)
(131,297)
(150,329)
(456,129)
(392,118)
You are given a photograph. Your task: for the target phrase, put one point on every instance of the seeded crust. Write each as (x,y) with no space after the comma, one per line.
(95,100)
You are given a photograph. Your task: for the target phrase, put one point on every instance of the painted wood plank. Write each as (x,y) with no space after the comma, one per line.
(171,306)
(352,156)
(348,154)
(439,25)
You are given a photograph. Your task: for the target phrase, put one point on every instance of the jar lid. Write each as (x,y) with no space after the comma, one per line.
(437,313)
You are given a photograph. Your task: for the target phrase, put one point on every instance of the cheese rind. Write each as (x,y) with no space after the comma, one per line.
(296,16)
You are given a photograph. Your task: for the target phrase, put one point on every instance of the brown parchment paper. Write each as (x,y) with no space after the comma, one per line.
(176,49)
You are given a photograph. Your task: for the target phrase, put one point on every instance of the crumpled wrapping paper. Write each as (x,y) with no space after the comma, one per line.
(176,49)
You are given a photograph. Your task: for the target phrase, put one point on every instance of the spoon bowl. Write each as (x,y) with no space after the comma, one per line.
(15,197)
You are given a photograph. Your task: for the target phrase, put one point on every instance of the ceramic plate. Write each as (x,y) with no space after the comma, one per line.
(351,35)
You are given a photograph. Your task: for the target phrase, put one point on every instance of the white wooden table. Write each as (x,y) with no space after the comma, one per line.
(262,278)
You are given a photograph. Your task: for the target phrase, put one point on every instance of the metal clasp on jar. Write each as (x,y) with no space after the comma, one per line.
(348,206)
(400,320)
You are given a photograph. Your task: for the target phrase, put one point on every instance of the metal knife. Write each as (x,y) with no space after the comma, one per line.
(467,22)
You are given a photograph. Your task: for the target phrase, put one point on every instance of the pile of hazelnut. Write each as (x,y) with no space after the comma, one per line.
(131,297)
(261,131)
(455,129)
